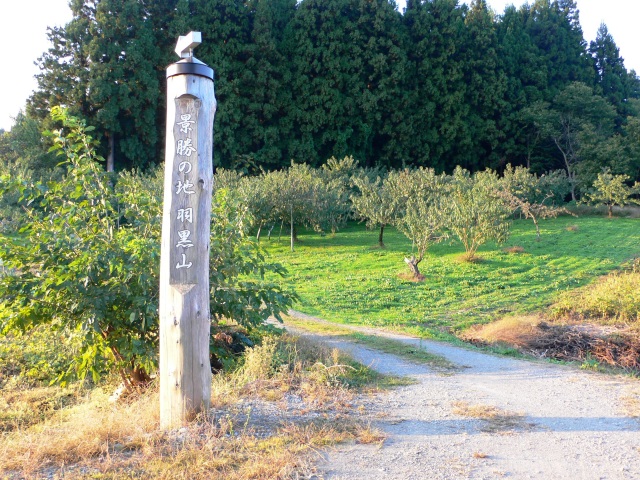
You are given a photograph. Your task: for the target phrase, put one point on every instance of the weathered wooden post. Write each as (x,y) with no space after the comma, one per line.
(185,371)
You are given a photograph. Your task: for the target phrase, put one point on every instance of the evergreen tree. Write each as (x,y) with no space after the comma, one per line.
(226,34)
(64,67)
(437,110)
(611,76)
(347,61)
(526,82)
(268,76)
(554,26)
(486,86)
(123,81)
(104,66)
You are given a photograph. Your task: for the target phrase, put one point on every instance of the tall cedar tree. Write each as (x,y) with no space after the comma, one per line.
(65,67)
(437,111)
(103,65)
(611,77)
(486,85)
(526,81)
(347,58)
(226,34)
(267,79)
(123,80)
(555,28)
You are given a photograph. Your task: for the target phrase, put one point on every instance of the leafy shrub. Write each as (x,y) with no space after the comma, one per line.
(35,358)
(87,261)
(611,190)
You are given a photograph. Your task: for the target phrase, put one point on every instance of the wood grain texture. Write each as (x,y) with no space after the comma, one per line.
(185,371)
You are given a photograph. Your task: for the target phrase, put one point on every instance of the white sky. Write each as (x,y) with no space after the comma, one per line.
(23,39)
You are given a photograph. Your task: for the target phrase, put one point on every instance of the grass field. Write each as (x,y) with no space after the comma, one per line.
(346,278)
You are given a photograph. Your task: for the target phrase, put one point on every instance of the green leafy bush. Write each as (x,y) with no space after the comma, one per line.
(612,190)
(87,260)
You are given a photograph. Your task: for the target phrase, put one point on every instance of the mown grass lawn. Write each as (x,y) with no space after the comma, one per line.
(346,278)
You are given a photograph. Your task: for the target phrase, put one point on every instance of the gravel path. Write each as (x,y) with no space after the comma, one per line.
(495,417)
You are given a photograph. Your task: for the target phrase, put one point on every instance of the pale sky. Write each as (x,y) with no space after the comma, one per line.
(23,39)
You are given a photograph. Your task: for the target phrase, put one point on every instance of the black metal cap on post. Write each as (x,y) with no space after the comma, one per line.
(190,68)
(189,65)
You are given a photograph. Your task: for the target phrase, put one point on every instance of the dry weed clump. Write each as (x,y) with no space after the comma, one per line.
(84,431)
(469,258)
(494,419)
(514,249)
(290,398)
(21,407)
(569,342)
(288,365)
(517,331)
(631,403)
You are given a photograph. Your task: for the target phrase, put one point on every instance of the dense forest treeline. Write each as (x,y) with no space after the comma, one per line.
(438,85)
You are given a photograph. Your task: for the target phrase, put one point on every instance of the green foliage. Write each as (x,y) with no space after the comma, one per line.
(25,148)
(342,279)
(530,196)
(576,118)
(474,212)
(239,267)
(78,268)
(444,84)
(611,190)
(424,200)
(35,358)
(86,261)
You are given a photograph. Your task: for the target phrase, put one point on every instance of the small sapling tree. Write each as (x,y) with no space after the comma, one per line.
(421,194)
(525,193)
(374,203)
(475,213)
(612,190)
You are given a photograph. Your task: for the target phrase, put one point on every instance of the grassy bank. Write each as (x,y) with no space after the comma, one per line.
(346,278)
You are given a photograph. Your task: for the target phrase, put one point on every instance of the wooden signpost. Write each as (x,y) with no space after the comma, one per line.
(185,370)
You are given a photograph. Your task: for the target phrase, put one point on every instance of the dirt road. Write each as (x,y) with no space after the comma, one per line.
(494,417)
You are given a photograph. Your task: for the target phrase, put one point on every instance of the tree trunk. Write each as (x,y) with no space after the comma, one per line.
(610,210)
(535,222)
(380,242)
(292,229)
(111,156)
(258,234)
(413,266)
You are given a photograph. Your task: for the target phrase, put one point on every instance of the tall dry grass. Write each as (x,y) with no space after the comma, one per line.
(613,299)
(251,432)
(516,331)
